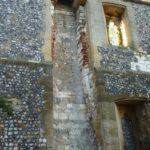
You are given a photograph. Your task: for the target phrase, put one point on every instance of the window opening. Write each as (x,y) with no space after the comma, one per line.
(127,127)
(130,127)
(116,27)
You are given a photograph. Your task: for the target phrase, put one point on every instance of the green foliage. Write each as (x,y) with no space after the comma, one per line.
(6,105)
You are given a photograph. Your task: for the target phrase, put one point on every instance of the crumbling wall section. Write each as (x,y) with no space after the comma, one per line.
(86,72)
(84,60)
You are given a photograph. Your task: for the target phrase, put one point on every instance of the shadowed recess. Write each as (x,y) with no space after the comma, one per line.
(66,2)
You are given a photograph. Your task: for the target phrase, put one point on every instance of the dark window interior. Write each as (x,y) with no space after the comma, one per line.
(66,2)
(134,123)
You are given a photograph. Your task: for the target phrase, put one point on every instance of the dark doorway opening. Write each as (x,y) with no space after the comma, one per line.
(66,2)
(133,124)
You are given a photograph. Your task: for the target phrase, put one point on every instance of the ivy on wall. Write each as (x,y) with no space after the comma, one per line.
(6,105)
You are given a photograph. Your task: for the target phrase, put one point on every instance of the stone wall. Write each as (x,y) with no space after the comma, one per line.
(123,72)
(20,29)
(126,83)
(25,81)
(123,59)
(22,84)
(142,15)
(116,58)
(121,69)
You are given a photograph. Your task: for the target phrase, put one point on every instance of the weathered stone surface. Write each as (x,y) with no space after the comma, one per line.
(71,125)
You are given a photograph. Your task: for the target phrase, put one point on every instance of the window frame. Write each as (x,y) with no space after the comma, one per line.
(133,40)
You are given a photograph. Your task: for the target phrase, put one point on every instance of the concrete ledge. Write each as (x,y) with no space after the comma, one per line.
(25,63)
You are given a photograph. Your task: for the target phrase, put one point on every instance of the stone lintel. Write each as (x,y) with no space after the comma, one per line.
(131,101)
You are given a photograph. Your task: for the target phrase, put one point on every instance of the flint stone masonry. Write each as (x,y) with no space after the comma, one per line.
(130,84)
(116,58)
(24,128)
(127,63)
(142,15)
(123,59)
(20,28)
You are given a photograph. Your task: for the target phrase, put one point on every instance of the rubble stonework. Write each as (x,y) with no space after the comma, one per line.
(20,27)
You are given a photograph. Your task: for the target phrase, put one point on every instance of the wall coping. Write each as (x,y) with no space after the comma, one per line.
(28,63)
